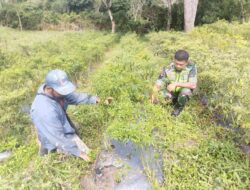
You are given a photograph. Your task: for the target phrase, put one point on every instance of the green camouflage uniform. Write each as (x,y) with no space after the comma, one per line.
(170,75)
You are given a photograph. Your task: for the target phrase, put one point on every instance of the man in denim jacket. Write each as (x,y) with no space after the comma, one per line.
(48,112)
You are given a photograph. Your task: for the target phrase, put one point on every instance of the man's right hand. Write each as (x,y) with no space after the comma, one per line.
(108,100)
(85,157)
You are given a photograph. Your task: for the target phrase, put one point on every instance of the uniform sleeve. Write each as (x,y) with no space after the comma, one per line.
(192,77)
(52,128)
(163,78)
(80,98)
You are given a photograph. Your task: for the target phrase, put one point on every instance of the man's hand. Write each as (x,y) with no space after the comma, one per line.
(154,100)
(108,100)
(171,87)
(85,157)
(189,85)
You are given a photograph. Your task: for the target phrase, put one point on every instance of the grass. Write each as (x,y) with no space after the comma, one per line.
(198,154)
(14,40)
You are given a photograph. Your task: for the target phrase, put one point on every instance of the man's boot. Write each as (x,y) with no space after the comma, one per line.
(181,102)
(177,110)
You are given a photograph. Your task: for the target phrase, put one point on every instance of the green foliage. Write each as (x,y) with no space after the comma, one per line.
(197,153)
(212,11)
(4,61)
(156,17)
(177,16)
(75,53)
(30,15)
(51,17)
(214,165)
(8,16)
(92,122)
(223,62)
(57,6)
(22,71)
(81,14)
(53,171)
(80,5)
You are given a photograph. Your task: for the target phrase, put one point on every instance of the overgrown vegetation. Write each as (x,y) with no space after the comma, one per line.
(23,67)
(198,154)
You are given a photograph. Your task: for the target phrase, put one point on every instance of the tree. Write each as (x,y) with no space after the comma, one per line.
(136,8)
(19,18)
(190,9)
(79,5)
(244,9)
(213,10)
(168,4)
(97,5)
(108,5)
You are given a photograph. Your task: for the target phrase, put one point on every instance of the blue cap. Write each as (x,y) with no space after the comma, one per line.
(58,80)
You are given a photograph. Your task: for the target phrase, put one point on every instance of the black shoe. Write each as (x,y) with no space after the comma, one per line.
(174,101)
(177,111)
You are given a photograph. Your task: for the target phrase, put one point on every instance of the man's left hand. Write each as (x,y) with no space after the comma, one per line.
(171,87)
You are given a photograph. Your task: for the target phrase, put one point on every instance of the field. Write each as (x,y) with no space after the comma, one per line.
(198,152)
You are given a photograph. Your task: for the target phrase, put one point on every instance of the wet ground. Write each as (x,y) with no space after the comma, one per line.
(125,166)
(222,121)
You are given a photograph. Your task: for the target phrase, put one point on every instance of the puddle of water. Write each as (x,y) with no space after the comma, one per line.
(140,157)
(134,181)
(128,161)
(228,124)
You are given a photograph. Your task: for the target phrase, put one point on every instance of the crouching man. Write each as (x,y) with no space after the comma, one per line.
(48,112)
(176,82)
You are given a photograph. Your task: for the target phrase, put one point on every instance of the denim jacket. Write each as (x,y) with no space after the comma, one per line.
(49,117)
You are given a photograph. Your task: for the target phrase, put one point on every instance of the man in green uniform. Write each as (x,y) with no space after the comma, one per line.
(176,82)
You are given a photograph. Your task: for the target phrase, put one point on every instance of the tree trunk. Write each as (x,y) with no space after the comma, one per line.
(108,4)
(242,12)
(169,22)
(112,20)
(19,20)
(190,8)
